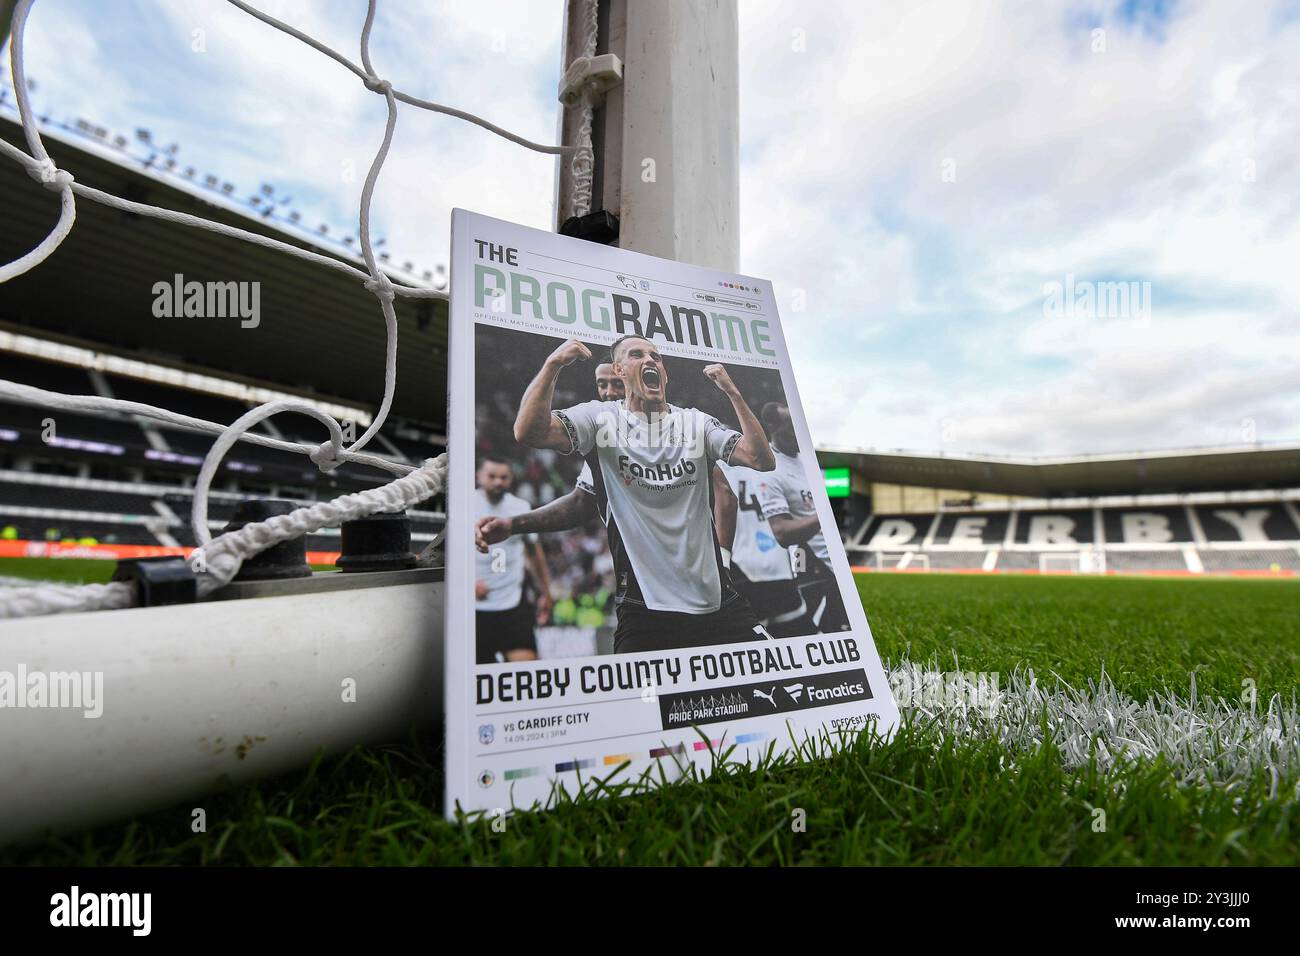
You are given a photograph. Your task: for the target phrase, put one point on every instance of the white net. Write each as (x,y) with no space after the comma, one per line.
(1064,562)
(902,561)
(218,560)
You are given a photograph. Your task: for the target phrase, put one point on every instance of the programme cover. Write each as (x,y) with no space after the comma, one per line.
(643,568)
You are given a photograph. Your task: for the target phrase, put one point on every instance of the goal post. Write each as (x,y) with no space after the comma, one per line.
(1085,561)
(6,16)
(665,139)
(902,561)
(1060,562)
(679,109)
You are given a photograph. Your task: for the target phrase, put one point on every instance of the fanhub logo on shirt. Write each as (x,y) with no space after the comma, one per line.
(664,474)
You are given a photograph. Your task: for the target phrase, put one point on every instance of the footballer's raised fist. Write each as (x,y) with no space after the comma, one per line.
(568,353)
(490,530)
(717,374)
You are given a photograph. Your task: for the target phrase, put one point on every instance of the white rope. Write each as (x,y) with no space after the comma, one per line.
(368,74)
(39,166)
(327,456)
(375,280)
(328,452)
(96,405)
(582,168)
(64,599)
(220,559)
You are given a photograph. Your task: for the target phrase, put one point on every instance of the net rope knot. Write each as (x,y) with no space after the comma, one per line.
(380,285)
(223,555)
(50,176)
(327,456)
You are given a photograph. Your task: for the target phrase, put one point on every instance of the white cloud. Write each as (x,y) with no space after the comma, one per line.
(1169,158)
(1134,163)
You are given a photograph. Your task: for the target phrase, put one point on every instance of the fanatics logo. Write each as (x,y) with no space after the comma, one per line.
(722,704)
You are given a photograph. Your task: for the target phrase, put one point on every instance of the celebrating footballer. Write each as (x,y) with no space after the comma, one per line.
(651,464)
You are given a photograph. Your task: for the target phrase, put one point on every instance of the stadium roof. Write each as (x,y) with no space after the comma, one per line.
(321,333)
(1153,472)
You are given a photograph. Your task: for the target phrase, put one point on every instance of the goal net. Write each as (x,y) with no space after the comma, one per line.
(902,561)
(1088,561)
(216,559)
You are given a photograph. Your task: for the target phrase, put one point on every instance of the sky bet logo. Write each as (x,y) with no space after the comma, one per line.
(655,474)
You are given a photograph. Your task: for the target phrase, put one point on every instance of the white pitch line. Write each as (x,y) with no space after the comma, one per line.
(1209,741)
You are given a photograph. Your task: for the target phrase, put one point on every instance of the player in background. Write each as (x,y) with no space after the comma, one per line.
(791,510)
(504,618)
(563,514)
(759,565)
(651,465)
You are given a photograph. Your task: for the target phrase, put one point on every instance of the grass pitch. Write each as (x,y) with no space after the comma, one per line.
(944,791)
(70,570)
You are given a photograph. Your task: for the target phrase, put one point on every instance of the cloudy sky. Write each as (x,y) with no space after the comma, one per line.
(927,179)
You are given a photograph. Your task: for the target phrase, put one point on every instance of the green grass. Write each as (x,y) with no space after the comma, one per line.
(73,570)
(62,570)
(1150,633)
(922,799)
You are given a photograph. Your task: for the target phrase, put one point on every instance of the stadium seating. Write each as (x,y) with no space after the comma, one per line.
(955,560)
(1237,522)
(1122,560)
(1122,538)
(1250,560)
(1009,560)
(71,497)
(84,531)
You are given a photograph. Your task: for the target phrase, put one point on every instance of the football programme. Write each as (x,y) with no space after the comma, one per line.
(641,434)
(693,676)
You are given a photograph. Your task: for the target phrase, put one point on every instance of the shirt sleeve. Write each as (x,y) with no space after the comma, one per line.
(585,483)
(729,473)
(771,497)
(719,440)
(581,422)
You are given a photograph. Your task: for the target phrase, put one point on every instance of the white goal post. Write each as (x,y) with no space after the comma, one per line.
(1087,561)
(902,561)
(681,77)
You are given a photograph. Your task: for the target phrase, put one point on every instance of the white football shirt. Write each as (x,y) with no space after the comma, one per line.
(653,491)
(788,493)
(755,549)
(502,568)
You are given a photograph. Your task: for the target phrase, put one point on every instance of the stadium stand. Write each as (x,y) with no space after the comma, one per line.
(118,479)
(102,484)
(1242,559)
(955,560)
(1259,521)
(1121,561)
(81,531)
(98,484)
(1139,535)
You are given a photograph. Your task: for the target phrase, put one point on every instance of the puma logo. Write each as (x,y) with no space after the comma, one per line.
(768,696)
